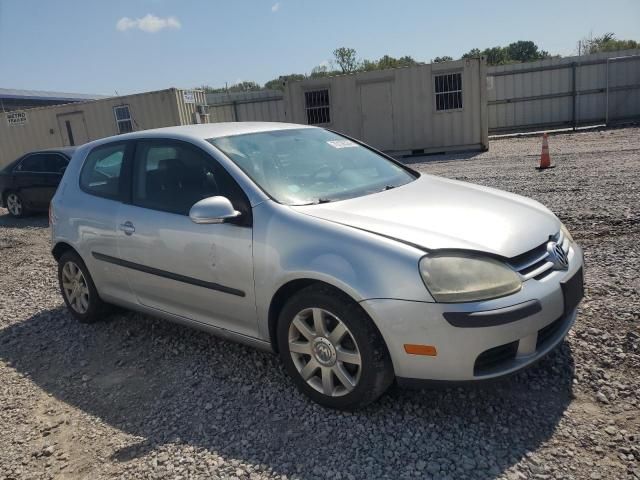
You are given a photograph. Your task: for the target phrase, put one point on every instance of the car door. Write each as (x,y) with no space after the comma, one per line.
(202,272)
(29,180)
(54,166)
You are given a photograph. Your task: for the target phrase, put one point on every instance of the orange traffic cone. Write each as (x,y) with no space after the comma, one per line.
(545,159)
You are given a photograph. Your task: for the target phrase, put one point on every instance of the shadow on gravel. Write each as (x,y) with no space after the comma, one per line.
(36,220)
(169,384)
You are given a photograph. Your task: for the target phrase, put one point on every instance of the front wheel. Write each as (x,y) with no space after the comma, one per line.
(332,350)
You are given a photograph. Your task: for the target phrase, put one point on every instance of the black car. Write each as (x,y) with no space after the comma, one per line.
(28,183)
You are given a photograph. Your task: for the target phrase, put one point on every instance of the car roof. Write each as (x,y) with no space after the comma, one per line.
(216,130)
(68,151)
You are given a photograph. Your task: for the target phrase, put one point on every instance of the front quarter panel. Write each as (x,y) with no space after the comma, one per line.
(290,246)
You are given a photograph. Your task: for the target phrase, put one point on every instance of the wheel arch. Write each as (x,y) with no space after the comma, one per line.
(292,287)
(60,248)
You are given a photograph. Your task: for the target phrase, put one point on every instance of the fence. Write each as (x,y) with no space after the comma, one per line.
(569,92)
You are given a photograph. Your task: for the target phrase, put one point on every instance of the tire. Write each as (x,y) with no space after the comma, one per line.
(15,205)
(335,380)
(86,306)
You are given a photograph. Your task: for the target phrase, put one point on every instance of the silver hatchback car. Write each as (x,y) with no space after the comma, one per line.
(356,269)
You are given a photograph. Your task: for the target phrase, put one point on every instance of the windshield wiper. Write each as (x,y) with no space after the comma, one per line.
(388,187)
(315,202)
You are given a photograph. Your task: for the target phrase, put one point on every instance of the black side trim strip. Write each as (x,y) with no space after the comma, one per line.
(491,318)
(169,275)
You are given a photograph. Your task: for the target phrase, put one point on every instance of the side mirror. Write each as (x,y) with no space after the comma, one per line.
(213,210)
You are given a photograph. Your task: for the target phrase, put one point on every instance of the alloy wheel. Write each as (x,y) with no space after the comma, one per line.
(14,204)
(75,287)
(324,352)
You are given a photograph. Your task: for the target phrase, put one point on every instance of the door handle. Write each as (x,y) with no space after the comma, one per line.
(127,228)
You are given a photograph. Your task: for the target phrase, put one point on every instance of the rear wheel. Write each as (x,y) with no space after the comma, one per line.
(78,290)
(15,205)
(332,350)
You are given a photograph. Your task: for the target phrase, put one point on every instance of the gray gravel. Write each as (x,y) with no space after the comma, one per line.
(134,397)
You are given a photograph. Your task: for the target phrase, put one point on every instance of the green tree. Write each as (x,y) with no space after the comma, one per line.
(496,55)
(346,59)
(249,86)
(473,53)
(606,43)
(278,83)
(406,61)
(525,51)
(445,58)
(320,71)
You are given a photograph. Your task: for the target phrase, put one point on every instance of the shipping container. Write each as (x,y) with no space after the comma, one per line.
(77,123)
(419,109)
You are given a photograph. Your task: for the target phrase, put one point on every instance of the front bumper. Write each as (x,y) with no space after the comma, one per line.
(477,353)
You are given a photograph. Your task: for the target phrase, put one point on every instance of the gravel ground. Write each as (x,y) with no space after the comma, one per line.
(134,397)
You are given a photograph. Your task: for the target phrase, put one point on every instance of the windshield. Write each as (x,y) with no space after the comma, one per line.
(311,165)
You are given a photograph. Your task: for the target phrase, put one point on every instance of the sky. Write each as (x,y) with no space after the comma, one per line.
(127,46)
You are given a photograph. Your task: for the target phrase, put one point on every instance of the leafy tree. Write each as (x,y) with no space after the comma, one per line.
(445,58)
(473,53)
(607,43)
(368,65)
(496,55)
(238,87)
(346,59)
(520,51)
(320,71)
(278,83)
(525,51)
(388,61)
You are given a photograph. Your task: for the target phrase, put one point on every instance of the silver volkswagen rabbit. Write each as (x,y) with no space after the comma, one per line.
(354,268)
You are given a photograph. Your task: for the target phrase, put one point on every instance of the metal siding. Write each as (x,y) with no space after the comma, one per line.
(510,107)
(252,106)
(416,123)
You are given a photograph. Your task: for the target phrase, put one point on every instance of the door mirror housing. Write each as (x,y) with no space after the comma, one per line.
(213,210)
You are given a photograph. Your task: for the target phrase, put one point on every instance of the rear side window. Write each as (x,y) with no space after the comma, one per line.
(101,171)
(33,163)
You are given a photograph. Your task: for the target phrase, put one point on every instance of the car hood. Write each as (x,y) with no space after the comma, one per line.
(438,213)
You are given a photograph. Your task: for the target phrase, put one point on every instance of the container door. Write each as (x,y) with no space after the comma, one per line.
(73,129)
(377,115)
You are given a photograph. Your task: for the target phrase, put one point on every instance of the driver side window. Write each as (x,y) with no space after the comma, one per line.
(172,176)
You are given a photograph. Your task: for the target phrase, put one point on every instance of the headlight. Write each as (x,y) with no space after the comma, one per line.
(566,233)
(467,278)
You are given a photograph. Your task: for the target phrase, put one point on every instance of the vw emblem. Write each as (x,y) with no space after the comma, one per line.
(558,256)
(324,352)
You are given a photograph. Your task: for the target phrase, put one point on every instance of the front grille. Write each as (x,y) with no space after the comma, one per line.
(536,263)
(494,357)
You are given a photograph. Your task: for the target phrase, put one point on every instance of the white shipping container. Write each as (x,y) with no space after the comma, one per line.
(423,108)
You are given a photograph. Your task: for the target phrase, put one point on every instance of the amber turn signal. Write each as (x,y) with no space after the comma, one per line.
(428,350)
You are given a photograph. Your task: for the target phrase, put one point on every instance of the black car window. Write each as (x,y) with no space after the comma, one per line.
(172,176)
(32,163)
(101,171)
(54,162)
